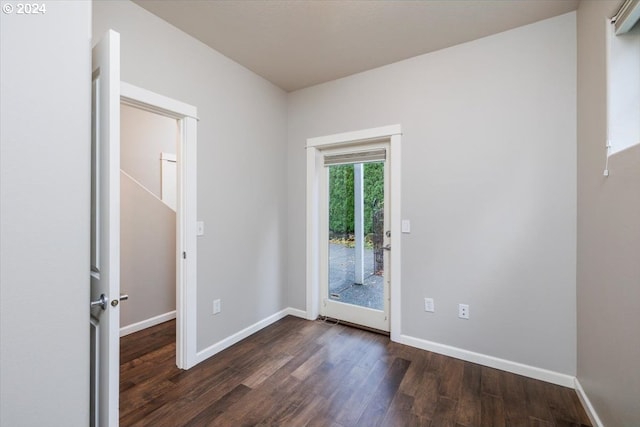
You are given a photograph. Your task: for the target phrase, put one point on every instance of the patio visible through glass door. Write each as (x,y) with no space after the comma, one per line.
(356,288)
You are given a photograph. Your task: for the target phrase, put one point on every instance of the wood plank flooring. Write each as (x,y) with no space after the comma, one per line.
(302,373)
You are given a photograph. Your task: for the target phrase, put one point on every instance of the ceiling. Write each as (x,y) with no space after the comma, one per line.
(300,43)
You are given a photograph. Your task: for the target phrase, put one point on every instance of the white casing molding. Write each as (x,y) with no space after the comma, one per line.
(186,243)
(393,134)
(156,103)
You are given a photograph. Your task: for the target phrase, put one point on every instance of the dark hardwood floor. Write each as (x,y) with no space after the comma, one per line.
(302,373)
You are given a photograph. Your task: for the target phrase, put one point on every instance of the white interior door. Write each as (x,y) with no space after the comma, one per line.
(105,231)
(355,235)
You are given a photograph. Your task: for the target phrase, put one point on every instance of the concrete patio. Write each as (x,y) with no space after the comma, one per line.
(342,275)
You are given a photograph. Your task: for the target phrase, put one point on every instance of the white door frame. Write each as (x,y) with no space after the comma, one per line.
(186,213)
(315,168)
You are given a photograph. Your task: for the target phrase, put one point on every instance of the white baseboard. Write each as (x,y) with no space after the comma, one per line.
(296,312)
(588,407)
(135,327)
(490,361)
(239,336)
(470,356)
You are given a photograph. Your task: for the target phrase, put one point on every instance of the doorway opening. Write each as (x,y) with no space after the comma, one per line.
(355,235)
(353,219)
(148,143)
(180,195)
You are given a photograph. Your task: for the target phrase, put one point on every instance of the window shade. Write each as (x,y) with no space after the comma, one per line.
(623,89)
(378,155)
(627,16)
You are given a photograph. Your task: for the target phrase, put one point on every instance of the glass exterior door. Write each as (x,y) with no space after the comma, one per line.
(355,279)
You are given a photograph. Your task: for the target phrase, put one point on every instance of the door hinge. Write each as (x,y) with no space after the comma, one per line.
(184,255)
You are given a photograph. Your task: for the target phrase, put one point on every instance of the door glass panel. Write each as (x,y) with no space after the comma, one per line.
(356,234)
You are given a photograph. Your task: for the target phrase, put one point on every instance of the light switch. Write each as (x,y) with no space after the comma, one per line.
(406,226)
(200,228)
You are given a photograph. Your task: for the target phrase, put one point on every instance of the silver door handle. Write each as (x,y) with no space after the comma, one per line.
(101,302)
(386,248)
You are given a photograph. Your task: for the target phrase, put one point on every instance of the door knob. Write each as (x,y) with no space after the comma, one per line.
(100,302)
(386,248)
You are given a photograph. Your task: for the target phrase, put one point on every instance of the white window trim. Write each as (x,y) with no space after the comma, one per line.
(614,144)
(626,17)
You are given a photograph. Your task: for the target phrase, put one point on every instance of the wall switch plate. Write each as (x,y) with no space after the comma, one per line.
(200,228)
(429,305)
(217,306)
(406,226)
(463,311)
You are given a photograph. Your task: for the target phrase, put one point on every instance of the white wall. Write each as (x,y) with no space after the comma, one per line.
(241,164)
(608,239)
(45,123)
(147,254)
(143,136)
(489,184)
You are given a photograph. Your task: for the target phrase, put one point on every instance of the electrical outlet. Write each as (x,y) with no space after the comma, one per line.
(463,311)
(217,306)
(429,305)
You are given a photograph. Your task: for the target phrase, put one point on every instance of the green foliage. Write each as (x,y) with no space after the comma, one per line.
(373,192)
(341,199)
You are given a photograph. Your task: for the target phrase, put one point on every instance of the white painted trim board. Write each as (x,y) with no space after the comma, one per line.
(156,103)
(358,136)
(144,324)
(586,404)
(490,361)
(314,146)
(203,355)
(446,350)
(186,243)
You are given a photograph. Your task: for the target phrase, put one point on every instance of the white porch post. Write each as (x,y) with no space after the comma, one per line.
(358,196)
